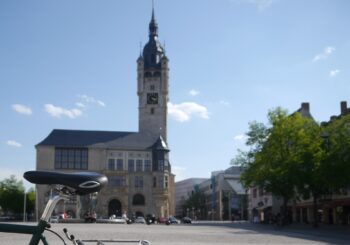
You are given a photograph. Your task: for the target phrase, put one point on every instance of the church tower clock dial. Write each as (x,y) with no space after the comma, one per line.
(152,85)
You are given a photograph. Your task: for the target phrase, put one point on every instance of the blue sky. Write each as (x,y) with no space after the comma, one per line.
(72,65)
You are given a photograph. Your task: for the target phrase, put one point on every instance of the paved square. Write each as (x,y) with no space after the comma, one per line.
(200,233)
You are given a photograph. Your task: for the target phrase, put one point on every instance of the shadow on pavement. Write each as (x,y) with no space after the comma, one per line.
(332,234)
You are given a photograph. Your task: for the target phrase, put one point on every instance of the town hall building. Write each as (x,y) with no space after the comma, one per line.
(140,181)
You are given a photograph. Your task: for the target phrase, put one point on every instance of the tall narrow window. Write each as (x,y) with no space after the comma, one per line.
(166,181)
(161,165)
(120,164)
(138,181)
(131,165)
(110,164)
(138,165)
(154,181)
(148,165)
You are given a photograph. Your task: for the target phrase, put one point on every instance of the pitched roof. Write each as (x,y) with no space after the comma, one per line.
(99,139)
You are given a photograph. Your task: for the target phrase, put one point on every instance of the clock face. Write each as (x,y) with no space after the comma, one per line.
(152,98)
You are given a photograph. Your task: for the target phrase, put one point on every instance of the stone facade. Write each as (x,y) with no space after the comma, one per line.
(137,164)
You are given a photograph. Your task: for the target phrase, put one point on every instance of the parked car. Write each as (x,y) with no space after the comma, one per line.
(162,220)
(54,219)
(140,220)
(90,217)
(173,220)
(117,220)
(150,219)
(186,220)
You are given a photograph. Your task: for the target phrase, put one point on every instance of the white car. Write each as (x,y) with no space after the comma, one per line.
(117,220)
(54,219)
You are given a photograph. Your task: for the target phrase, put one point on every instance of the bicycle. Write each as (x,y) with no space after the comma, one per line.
(79,183)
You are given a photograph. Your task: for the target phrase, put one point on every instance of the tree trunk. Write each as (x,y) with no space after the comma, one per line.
(315,223)
(285,211)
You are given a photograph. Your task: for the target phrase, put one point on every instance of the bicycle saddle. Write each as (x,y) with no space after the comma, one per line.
(82,182)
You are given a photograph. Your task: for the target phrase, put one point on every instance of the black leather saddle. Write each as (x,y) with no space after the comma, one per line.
(82,182)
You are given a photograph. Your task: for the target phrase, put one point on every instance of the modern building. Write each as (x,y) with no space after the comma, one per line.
(136,163)
(226,198)
(183,190)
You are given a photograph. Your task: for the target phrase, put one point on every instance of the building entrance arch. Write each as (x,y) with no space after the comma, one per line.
(114,207)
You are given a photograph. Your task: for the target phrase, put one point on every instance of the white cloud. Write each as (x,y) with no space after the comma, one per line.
(13,143)
(240,137)
(101,103)
(325,54)
(85,99)
(79,104)
(334,73)
(261,5)
(184,111)
(193,92)
(56,111)
(22,109)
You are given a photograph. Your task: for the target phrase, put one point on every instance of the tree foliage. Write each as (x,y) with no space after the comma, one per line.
(195,201)
(294,157)
(285,155)
(12,196)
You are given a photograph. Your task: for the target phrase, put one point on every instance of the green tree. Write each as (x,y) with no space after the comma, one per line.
(30,201)
(196,201)
(336,134)
(11,195)
(281,154)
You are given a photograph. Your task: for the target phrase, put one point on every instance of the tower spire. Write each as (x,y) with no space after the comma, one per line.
(153,26)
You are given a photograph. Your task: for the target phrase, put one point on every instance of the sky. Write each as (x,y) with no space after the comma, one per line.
(72,65)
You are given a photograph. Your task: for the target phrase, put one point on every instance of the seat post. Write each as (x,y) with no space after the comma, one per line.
(51,204)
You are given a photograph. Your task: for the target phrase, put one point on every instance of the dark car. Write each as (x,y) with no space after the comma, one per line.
(173,220)
(150,219)
(90,217)
(186,220)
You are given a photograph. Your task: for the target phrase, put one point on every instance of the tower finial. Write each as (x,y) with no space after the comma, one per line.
(153,26)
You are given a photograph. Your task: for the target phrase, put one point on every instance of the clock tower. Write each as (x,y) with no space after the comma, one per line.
(153,84)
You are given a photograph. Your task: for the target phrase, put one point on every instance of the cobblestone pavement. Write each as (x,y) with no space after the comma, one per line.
(198,233)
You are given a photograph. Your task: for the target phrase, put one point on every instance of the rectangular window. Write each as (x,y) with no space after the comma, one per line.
(117,181)
(120,164)
(71,158)
(138,182)
(131,165)
(154,182)
(161,182)
(148,165)
(166,181)
(138,165)
(84,159)
(111,164)
(161,165)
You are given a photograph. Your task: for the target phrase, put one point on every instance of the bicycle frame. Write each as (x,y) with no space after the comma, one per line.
(36,230)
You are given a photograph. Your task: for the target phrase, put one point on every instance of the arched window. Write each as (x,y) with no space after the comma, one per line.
(138,199)
(157,74)
(148,74)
